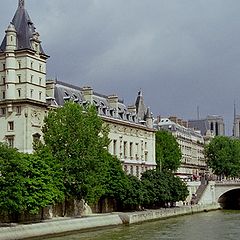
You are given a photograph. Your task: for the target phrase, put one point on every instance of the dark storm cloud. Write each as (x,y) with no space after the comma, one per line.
(181,53)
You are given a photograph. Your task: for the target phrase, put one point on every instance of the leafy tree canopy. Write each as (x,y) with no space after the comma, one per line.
(168,153)
(223,156)
(27,181)
(77,138)
(163,187)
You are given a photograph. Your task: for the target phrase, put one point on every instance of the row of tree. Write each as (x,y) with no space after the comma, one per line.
(73,163)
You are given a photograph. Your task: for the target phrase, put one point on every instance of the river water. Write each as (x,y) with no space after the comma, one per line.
(217,225)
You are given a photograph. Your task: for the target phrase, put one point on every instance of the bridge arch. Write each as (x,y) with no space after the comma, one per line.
(229,199)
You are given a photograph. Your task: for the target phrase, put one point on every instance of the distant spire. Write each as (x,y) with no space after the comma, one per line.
(21,3)
(234,112)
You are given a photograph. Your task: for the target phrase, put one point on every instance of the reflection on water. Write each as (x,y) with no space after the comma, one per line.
(215,225)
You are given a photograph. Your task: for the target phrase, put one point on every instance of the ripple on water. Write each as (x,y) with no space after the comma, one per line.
(217,225)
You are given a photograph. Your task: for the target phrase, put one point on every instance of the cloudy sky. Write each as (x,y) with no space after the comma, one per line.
(181,53)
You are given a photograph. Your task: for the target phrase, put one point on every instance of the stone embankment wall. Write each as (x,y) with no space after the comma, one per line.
(63,225)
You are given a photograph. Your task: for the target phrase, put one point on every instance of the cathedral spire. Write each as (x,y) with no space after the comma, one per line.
(21,3)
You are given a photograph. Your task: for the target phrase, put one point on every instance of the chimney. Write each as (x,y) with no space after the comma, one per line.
(88,94)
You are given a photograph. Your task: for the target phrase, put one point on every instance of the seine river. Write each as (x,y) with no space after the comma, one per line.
(215,225)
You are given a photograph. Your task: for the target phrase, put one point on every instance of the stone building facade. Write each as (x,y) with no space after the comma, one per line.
(191,143)
(26,96)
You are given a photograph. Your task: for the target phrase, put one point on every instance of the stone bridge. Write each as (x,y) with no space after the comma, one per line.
(226,193)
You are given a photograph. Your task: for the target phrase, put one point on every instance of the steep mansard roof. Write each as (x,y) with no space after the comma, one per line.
(25,30)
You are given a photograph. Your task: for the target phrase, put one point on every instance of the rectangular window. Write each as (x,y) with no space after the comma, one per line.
(19,92)
(31,78)
(3,112)
(18,110)
(10,126)
(31,65)
(40,81)
(31,93)
(125,149)
(10,141)
(19,65)
(3,80)
(4,66)
(137,151)
(131,149)
(40,95)
(19,78)
(40,67)
(114,147)
(146,156)
(3,95)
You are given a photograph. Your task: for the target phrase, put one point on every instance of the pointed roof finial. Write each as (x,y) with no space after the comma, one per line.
(21,3)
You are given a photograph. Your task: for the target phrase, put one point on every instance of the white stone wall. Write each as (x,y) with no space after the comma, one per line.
(133,145)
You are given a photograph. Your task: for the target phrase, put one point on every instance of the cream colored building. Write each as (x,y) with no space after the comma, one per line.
(26,96)
(191,143)
(131,128)
(22,83)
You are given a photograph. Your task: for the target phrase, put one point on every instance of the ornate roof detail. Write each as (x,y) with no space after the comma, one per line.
(25,30)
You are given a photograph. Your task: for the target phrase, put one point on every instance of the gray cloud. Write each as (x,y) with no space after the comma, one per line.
(181,53)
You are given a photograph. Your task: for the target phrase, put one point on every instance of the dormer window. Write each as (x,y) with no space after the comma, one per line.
(66,97)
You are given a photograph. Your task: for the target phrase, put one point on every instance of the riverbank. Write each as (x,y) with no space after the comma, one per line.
(65,225)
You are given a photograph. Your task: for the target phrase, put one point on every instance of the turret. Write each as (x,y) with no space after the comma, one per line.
(10,65)
(11,38)
(149,118)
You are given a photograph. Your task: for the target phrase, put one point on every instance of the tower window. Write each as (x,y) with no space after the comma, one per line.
(40,67)
(19,78)
(3,111)
(19,65)
(18,110)
(3,95)
(3,80)
(31,78)
(19,92)
(31,93)
(40,95)
(10,126)
(31,65)
(40,81)
(4,66)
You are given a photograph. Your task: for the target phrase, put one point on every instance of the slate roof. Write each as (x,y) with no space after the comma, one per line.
(25,30)
(64,92)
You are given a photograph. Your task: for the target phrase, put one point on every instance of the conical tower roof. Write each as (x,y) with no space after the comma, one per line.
(25,29)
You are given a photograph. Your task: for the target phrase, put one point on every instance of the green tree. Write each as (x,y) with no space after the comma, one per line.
(223,156)
(126,190)
(168,153)
(78,139)
(27,182)
(161,188)
(157,191)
